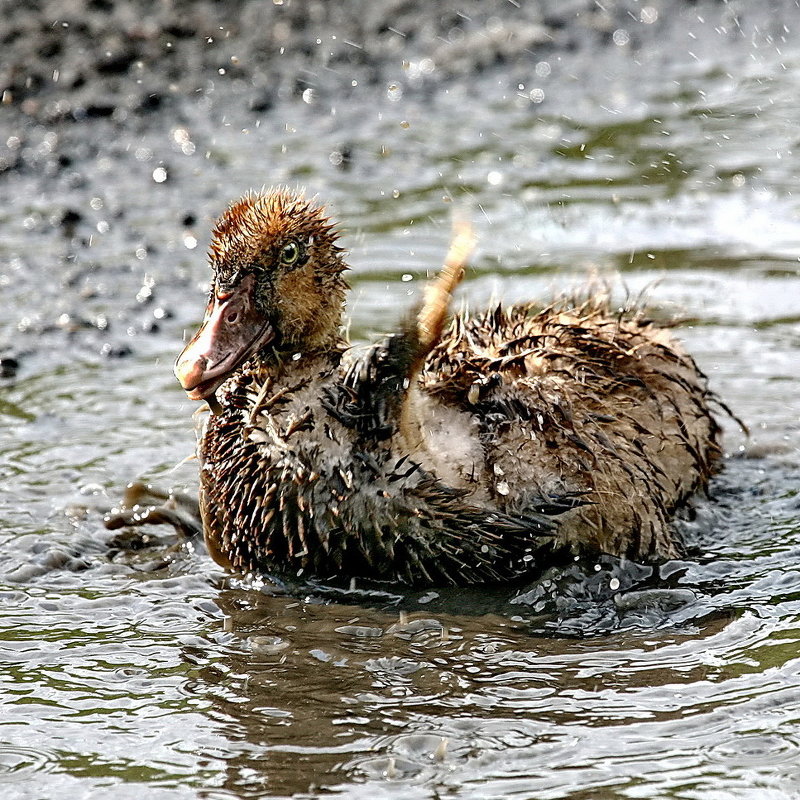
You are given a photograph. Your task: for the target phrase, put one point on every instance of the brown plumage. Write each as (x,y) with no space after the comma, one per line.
(444,454)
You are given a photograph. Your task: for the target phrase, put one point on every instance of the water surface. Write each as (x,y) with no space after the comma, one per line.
(125,672)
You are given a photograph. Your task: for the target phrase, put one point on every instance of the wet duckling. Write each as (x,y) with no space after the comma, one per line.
(445,454)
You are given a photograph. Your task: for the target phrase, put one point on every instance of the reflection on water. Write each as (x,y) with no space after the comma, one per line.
(132,672)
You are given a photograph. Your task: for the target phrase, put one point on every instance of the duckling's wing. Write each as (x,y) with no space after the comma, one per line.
(368,397)
(580,398)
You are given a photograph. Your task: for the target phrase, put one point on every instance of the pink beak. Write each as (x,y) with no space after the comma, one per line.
(233,329)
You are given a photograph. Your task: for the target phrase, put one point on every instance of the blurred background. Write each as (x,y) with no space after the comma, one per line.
(651,142)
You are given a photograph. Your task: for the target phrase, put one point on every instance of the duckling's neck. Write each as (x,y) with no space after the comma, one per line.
(289,357)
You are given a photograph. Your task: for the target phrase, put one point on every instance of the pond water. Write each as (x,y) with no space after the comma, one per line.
(132,672)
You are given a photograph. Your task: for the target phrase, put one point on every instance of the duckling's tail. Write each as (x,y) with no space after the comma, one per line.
(433,311)
(423,330)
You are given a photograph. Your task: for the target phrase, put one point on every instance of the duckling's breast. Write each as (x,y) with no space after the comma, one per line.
(445,441)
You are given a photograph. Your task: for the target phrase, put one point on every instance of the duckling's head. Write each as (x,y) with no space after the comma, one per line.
(277,286)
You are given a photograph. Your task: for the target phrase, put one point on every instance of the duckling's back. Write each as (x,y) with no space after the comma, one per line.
(519,404)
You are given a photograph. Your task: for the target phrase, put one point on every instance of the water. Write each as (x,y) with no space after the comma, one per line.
(150,671)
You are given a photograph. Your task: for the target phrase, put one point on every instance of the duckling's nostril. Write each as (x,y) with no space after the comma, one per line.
(232,317)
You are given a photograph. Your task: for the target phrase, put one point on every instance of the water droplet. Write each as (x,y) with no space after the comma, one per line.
(394,92)
(613,584)
(648,15)
(144,294)
(160,174)
(494,178)
(621,37)
(268,645)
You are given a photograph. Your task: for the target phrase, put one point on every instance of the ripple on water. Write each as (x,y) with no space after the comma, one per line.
(392,768)
(23,763)
(759,750)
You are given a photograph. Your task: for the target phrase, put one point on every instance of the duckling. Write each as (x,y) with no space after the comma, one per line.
(474,450)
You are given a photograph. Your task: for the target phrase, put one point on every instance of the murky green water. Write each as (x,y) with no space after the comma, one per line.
(132,674)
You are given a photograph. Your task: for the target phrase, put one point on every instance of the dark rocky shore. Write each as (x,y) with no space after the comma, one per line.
(73,60)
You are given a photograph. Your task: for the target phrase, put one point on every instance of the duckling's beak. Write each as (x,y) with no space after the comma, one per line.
(233,329)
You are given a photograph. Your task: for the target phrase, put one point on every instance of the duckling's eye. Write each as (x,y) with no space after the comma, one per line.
(290,254)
